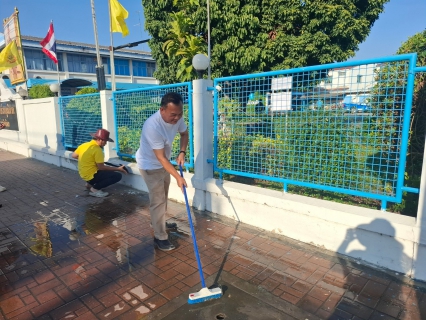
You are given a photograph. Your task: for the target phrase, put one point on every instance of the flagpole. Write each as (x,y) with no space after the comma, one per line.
(111,51)
(59,80)
(57,70)
(100,71)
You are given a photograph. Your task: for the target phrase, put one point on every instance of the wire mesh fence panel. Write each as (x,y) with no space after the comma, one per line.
(339,127)
(133,107)
(80,116)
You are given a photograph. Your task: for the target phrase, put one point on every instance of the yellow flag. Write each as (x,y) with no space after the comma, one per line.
(118,14)
(9,57)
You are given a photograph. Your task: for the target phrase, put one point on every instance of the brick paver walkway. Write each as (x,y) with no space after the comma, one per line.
(66,255)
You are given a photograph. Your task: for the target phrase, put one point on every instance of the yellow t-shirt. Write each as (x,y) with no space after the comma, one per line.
(89,154)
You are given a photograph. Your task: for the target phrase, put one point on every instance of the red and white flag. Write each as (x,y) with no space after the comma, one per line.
(49,44)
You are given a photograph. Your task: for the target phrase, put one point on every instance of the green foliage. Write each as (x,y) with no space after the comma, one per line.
(251,36)
(40,91)
(89,105)
(129,140)
(183,45)
(86,90)
(316,147)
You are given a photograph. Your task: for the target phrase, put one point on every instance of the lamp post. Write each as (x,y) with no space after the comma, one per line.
(54,87)
(200,62)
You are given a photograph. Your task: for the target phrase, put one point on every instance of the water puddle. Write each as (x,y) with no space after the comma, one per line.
(55,231)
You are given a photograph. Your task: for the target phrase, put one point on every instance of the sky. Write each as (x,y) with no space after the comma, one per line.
(72,20)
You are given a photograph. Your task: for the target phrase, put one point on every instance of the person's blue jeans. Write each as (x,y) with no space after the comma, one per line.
(103,179)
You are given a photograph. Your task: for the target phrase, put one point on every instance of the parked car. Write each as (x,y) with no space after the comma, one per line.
(356,103)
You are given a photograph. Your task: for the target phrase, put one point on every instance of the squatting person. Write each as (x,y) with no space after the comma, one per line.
(91,165)
(152,157)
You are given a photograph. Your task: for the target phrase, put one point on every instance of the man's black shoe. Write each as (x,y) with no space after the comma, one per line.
(171,225)
(164,245)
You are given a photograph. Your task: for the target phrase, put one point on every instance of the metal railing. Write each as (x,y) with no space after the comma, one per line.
(340,127)
(80,116)
(133,107)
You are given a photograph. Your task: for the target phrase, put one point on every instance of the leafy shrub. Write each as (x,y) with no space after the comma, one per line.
(86,90)
(40,91)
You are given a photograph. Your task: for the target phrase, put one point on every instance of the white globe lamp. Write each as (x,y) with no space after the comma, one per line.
(200,62)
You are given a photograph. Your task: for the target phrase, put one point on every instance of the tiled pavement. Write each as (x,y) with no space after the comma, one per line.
(66,255)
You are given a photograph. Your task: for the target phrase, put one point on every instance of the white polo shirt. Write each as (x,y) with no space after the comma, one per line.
(157,134)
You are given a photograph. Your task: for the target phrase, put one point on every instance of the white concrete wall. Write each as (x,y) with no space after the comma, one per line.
(42,119)
(380,238)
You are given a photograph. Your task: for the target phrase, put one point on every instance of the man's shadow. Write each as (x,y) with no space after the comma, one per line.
(368,291)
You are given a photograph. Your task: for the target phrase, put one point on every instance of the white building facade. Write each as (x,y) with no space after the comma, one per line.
(133,68)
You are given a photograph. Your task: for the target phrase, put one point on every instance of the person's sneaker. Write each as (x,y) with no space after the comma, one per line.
(171,225)
(98,194)
(2,189)
(164,245)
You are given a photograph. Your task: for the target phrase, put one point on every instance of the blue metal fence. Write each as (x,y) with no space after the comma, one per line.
(80,116)
(340,127)
(133,107)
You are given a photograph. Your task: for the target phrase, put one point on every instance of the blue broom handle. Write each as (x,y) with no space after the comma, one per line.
(194,240)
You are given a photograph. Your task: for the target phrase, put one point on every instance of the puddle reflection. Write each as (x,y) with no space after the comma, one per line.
(111,223)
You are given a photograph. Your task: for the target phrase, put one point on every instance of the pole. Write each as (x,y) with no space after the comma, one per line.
(57,69)
(111,52)
(95,28)
(59,79)
(100,71)
(208,39)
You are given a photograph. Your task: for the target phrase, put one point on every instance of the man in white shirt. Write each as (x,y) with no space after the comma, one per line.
(158,133)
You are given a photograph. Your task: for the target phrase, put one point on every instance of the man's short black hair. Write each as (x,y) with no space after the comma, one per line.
(171,97)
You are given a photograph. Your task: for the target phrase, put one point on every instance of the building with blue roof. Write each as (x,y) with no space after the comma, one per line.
(77,66)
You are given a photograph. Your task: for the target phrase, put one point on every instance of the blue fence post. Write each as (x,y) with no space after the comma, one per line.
(406,126)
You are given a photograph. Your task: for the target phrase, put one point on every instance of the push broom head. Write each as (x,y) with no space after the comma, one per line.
(205,294)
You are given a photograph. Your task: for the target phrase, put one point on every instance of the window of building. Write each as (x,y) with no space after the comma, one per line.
(38,60)
(359,78)
(341,73)
(81,63)
(143,69)
(121,66)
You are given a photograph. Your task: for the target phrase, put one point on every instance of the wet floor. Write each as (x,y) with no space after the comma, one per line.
(235,304)
(66,255)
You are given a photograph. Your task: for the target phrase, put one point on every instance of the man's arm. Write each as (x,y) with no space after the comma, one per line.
(161,156)
(184,138)
(102,166)
(74,155)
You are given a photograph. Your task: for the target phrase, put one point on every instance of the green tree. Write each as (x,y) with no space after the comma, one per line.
(249,36)
(184,45)
(40,91)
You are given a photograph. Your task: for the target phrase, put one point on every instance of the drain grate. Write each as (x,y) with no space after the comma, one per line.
(220,316)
